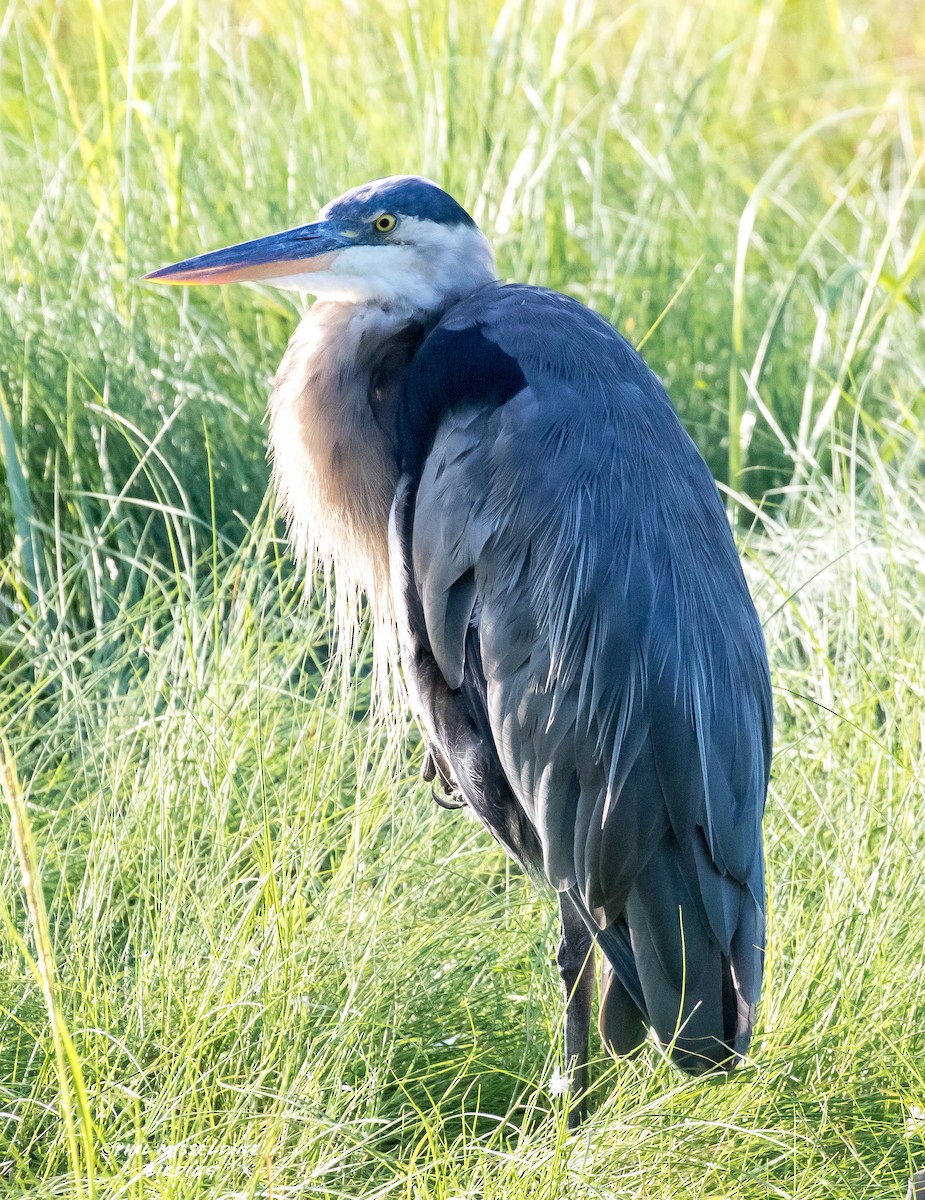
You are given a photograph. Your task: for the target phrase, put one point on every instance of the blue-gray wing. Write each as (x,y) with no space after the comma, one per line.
(578,579)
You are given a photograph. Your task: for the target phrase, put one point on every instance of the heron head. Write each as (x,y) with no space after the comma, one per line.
(400,241)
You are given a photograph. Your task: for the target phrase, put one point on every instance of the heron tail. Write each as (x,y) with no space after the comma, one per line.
(666,971)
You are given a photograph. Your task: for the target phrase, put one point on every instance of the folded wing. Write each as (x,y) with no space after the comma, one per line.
(581,597)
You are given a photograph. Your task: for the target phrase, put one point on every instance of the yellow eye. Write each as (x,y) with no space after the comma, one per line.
(385,223)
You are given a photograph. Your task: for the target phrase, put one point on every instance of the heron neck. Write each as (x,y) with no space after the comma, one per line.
(332,436)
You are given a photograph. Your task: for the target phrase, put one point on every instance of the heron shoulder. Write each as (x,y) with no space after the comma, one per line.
(502,338)
(583,426)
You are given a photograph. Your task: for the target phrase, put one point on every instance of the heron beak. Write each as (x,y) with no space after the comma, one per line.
(293,252)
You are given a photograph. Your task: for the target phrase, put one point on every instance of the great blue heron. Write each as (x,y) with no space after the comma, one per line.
(508,482)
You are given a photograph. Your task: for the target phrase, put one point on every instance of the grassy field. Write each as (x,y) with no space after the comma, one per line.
(241,952)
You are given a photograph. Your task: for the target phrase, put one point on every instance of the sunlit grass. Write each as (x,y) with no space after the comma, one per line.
(281,969)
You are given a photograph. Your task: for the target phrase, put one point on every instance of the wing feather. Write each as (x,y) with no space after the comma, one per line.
(567,526)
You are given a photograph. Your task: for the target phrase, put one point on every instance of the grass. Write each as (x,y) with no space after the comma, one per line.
(241,952)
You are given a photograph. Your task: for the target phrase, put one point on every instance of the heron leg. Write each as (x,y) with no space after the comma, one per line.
(434,767)
(575,960)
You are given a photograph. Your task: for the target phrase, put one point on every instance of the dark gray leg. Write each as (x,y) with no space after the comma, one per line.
(576,970)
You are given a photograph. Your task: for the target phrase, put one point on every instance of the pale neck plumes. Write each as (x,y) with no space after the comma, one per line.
(332,410)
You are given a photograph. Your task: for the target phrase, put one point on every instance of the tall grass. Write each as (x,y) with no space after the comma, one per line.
(279,968)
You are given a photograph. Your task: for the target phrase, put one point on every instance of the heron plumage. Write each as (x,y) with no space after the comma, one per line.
(498,469)
(573,524)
